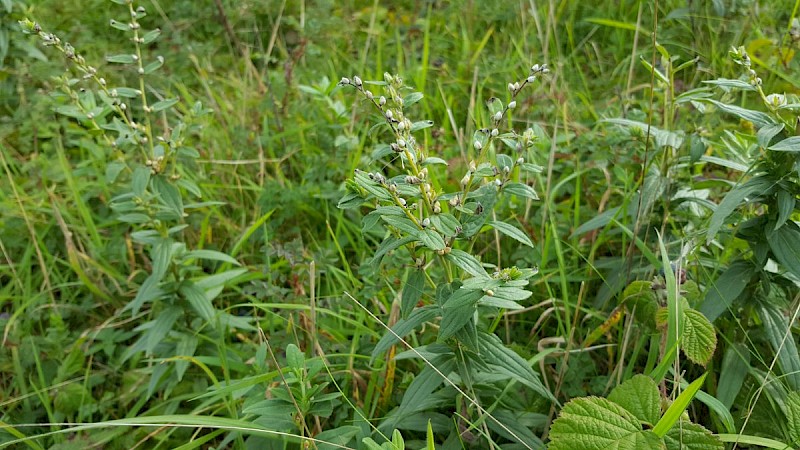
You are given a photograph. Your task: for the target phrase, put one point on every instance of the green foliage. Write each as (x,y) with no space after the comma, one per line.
(172,251)
(630,418)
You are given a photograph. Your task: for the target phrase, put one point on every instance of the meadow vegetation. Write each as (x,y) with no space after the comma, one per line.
(339,224)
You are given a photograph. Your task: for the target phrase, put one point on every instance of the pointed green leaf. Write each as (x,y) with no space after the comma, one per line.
(121,59)
(676,409)
(467,263)
(511,231)
(734,370)
(198,300)
(522,190)
(793,416)
(163,104)
(722,292)
(431,239)
(785,245)
(405,326)
(510,363)
(758,118)
(412,291)
(790,144)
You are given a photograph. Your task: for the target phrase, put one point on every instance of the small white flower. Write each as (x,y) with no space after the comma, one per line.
(495,132)
(344,80)
(511,87)
(512,105)
(382,100)
(531,79)
(401,143)
(520,160)
(357,81)
(776,100)
(389,114)
(369,94)
(477,145)
(535,68)
(498,116)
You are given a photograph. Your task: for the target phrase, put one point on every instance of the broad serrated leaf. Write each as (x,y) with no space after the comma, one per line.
(698,339)
(522,190)
(640,397)
(507,361)
(686,435)
(405,326)
(511,231)
(467,263)
(412,291)
(593,423)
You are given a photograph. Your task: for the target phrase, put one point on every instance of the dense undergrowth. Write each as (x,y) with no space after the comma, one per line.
(429,225)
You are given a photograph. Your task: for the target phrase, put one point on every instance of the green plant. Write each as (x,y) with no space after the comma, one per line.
(435,230)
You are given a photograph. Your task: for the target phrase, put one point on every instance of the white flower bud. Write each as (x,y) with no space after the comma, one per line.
(477,145)
(401,143)
(455,201)
(531,79)
(426,222)
(498,116)
(369,94)
(535,68)
(389,114)
(511,87)
(437,208)
(344,80)
(506,169)
(516,86)
(520,161)
(495,132)
(102,81)
(402,201)
(357,81)
(402,125)
(489,293)
(382,100)
(472,166)
(498,183)
(465,180)
(512,105)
